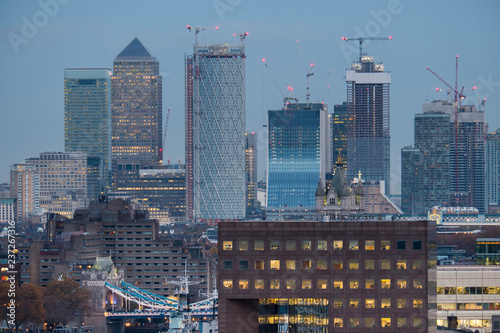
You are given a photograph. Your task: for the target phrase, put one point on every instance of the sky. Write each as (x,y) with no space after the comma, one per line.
(39,39)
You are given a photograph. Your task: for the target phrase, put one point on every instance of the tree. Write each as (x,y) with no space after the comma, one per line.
(65,301)
(29,309)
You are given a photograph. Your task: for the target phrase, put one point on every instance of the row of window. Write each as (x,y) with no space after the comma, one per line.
(323,284)
(320,245)
(338,322)
(467,290)
(468,306)
(337,264)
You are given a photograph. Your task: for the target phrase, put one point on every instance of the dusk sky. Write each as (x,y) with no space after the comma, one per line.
(91,33)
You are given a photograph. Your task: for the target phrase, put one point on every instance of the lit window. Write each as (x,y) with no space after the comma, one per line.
(322,284)
(290,284)
(417,264)
(385,303)
(291,265)
(354,264)
(402,303)
(338,284)
(243,264)
(418,283)
(306,284)
(401,264)
(306,245)
(227,245)
(227,284)
(370,303)
(322,245)
(417,303)
(385,264)
(274,265)
(259,265)
(259,284)
(338,303)
(290,245)
(370,245)
(306,264)
(385,245)
(401,245)
(274,245)
(354,322)
(354,303)
(385,283)
(227,264)
(418,322)
(338,245)
(243,284)
(370,284)
(369,263)
(401,284)
(322,264)
(275,284)
(259,245)
(369,322)
(385,322)
(417,245)
(401,322)
(338,264)
(354,245)
(354,284)
(338,322)
(243,245)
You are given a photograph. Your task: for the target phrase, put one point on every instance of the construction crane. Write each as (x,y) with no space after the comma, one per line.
(242,36)
(362,39)
(286,99)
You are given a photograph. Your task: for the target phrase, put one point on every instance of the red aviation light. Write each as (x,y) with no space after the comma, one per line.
(390,37)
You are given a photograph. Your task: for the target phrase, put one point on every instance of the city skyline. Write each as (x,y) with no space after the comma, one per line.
(39,58)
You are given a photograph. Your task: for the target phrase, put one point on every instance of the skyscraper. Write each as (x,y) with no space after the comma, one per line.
(189,118)
(493,167)
(87,122)
(217,123)
(136,114)
(298,155)
(339,121)
(368,136)
(251,169)
(25,186)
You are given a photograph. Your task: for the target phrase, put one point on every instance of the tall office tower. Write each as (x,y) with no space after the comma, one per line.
(25,186)
(189,86)
(87,122)
(467,161)
(136,113)
(298,155)
(493,167)
(339,120)
(251,170)
(218,127)
(368,137)
(425,169)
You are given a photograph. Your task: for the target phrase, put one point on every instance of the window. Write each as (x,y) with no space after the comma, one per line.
(306,245)
(291,265)
(274,265)
(243,264)
(369,322)
(338,322)
(338,284)
(385,283)
(259,265)
(401,322)
(338,303)
(401,245)
(274,245)
(385,264)
(417,264)
(243,245)
(369,245)
(354,303)
(385,245)
(243,284)
(354,322)
(401,284)
(306,284)
(401,303)
(418,322)
(322,284)
(385,322)
(227,284)
(354,264)
(322,264)
(369,263)
(370,303)
(227,245)
(306,264)
(338,245)
(385,303)
(227,264)
(354,245)
(290,284)
(418,283)
(290,245)
(417,245)
(259,245)
(275,284)
(259,284)
(322,245)
(400,264)
(417,303)
(354,284)
(370,284)
(338,264)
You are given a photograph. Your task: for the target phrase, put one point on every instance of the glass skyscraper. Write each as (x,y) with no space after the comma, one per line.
(218,128)
(339,122)
(298,155)
(493,167)
(87,122)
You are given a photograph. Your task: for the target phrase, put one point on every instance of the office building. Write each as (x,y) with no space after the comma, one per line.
(346,275)
(339,121)
(425,168)
(298,155)
(7,210)
(493,168)
(136,112)
(87,123)
(487,251)
(25,187)
(189,143)
(216,119)
(368,136)
(251,170)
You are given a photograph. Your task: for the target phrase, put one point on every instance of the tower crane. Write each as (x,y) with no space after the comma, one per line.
(362,39)
(242,36)
(286,99)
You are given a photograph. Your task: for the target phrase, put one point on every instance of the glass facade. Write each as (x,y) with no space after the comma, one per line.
(339,121)
(87,122)
(219,132)
(297,154)
(493,167)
